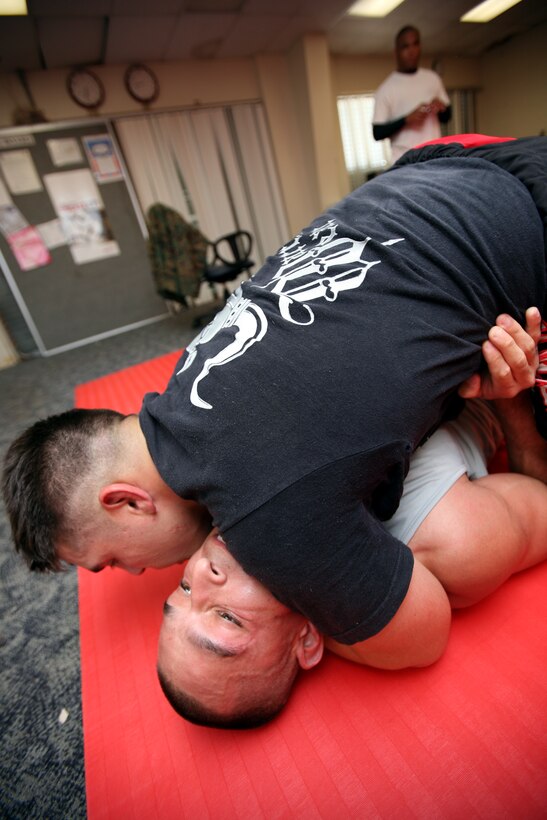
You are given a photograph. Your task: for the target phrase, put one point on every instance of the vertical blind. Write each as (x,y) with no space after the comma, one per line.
(363,154)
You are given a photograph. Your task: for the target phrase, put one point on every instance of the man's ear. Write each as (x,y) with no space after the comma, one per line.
(115,496)
(310,645)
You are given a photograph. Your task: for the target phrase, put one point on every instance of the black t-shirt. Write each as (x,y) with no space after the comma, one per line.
(292,417)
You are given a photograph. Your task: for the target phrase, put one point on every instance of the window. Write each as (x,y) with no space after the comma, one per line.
(463,112)
(364,156)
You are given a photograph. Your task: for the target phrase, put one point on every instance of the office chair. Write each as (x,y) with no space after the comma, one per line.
(229,257)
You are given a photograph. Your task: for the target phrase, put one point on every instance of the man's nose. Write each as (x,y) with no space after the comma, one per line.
(132,570)
(205,573)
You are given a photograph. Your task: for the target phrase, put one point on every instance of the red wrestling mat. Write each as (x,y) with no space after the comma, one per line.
(465,738)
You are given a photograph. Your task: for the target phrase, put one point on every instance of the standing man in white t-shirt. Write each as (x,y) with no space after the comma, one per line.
(412,101)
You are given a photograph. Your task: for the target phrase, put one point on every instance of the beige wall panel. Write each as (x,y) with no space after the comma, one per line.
(514,80)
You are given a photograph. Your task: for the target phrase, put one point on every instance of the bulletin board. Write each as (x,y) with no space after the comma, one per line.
(72,236)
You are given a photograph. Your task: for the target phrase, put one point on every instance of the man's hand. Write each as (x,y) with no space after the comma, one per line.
(512,358)
(417,117)
(437,106)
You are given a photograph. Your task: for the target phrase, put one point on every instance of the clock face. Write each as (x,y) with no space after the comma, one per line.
(142,83)
(85,88)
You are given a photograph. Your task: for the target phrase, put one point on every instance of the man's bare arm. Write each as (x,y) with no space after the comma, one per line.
(512,358)
(416,636)
(478,535)
(526,448)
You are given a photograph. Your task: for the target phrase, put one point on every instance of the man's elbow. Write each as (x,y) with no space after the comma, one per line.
(419,655)
(430,654)
(422,647)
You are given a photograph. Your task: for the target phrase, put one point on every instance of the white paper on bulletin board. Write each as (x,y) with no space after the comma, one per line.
(80,208)
(20,172)
(65,151)
(11,218)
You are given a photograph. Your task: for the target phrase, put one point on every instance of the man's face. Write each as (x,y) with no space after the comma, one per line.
(221,626)
(407,51)
(140,541)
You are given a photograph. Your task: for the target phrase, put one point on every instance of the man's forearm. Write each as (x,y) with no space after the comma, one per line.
(383,130)
(444,116)
(526,449)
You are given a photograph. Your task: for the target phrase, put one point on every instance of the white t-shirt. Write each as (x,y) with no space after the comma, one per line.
(400,94)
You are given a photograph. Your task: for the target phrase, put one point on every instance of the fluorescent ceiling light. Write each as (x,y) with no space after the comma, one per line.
(486,11)
(13,7)
(373,8)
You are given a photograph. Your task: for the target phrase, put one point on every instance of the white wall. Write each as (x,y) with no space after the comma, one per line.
(182,84)
(513,98)
(363,74)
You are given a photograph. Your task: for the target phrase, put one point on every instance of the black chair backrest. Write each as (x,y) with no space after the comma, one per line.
(233,247)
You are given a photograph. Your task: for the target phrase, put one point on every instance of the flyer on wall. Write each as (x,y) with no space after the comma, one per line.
(26,243)
(80,208)
(29,249)
(103,158)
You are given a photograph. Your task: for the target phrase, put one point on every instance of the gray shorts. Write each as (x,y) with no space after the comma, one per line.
(459,447)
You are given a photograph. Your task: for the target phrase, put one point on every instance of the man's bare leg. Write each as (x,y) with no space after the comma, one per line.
(481,533)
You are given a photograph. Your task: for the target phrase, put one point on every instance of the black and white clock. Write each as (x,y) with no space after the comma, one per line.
(142,83)
(85,88)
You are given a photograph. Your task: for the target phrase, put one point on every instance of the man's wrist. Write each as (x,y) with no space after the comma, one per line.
(526,449)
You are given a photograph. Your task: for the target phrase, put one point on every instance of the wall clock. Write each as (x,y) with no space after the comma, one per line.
(85,88)
(142,83)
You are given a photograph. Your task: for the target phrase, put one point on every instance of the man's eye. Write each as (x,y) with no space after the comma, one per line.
(185,586)
(227,616)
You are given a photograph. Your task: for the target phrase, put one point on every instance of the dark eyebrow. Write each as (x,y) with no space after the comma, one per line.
(201,642)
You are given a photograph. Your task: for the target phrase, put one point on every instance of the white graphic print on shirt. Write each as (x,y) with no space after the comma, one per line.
(329,265)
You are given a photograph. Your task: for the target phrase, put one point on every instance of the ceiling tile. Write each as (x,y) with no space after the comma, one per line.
(146,8)
(70,8)
(198,35)
(18,44)
(71,41)
(126,43)
(71,31)
(252,35)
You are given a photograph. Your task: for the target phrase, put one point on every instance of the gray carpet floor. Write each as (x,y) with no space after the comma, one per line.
(41,740)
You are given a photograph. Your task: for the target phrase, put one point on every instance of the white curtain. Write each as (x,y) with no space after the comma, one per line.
(215,166)
(362,153)
(463,112)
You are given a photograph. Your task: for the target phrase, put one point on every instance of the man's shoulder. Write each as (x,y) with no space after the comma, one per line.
(390,80)
(427,75)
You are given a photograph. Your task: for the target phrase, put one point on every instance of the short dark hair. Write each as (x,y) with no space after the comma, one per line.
(249,716)
(41,469)
(405,30)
